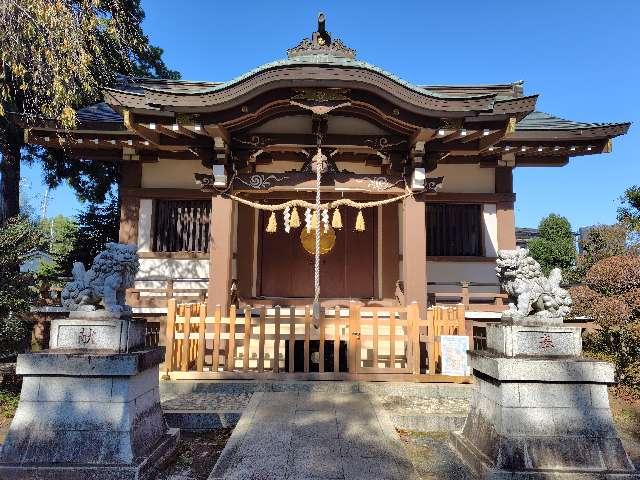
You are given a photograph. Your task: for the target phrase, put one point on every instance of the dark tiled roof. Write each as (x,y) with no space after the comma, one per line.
(544,121)
(100,112)
(138,84)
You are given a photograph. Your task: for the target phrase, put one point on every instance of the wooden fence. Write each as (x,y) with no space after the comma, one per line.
(354,343)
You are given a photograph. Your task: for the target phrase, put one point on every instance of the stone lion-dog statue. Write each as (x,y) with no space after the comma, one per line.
(530,292)
(112,272)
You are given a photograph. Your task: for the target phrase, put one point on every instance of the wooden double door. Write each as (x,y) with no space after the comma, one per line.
(347,271)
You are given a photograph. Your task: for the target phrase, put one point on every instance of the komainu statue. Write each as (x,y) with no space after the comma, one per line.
(112,272)
(530,292)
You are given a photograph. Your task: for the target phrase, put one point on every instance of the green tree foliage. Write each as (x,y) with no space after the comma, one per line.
(61,234)
(555,246)
(611,297)
(600,242)
(19,237)
(56,56)
(97,225)
(629,211)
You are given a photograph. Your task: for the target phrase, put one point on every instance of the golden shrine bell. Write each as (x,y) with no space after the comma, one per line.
(327,240)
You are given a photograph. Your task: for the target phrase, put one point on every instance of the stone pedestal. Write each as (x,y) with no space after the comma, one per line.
(539,410)
(95,331)
(91,412)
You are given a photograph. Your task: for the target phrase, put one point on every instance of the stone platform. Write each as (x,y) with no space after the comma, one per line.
(88,415)
(539,410)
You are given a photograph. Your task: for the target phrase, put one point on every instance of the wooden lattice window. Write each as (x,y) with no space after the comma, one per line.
(181,225)
(454,230)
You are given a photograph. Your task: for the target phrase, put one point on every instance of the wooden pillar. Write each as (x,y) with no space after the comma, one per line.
(506,226)
(505,215)
(414,252)
(220,252)
(130,176)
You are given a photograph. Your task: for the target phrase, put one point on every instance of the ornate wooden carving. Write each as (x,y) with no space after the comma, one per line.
(301,180)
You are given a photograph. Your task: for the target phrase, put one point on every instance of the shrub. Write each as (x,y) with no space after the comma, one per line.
(612,299)
(583,298)
(615,275)
(632,299)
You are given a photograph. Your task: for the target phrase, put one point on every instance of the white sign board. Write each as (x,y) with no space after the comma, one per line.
(453,349)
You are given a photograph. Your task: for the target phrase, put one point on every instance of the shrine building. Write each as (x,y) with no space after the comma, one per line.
(417,191)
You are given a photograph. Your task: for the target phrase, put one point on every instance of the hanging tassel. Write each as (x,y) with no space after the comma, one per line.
(294,222)
(336,221)
(359,222)
(287,219)
(272,226)
(314,221)
(307,219)
(325,219)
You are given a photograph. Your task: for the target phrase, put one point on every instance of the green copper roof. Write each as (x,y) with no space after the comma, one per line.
(316,59)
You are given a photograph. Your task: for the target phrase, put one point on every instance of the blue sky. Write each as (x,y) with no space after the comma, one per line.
(581,56)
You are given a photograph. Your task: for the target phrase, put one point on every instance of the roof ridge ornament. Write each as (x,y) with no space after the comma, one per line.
(321,44)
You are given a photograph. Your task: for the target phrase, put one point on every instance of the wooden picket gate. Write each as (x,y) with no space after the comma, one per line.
(352,343)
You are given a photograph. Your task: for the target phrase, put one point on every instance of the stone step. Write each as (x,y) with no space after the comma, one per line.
(420,407)
(193,421)
(429,423)
(424,390)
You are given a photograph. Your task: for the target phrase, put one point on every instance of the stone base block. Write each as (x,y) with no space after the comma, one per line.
(542,418)
(88,411)
(531,339)
(485,467)
(83,332)
(143,468)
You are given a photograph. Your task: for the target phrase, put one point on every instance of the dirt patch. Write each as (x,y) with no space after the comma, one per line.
(433,456)
(197,454)
(8,405)
(625,407)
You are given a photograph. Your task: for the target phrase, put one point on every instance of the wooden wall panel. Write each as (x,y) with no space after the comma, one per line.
(245,252)
(390,244)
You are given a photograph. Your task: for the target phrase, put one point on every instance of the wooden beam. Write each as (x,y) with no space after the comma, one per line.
(152,136)
(217,131)
(166,193)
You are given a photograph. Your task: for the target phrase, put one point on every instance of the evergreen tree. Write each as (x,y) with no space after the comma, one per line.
(97,225)
(555,246)
(629,211)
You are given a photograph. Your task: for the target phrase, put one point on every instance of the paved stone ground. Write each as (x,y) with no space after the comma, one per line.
(313,436)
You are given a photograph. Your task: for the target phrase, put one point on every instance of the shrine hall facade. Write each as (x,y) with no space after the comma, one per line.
(187,150)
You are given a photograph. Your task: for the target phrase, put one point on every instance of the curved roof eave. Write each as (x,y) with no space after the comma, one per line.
(320,60)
